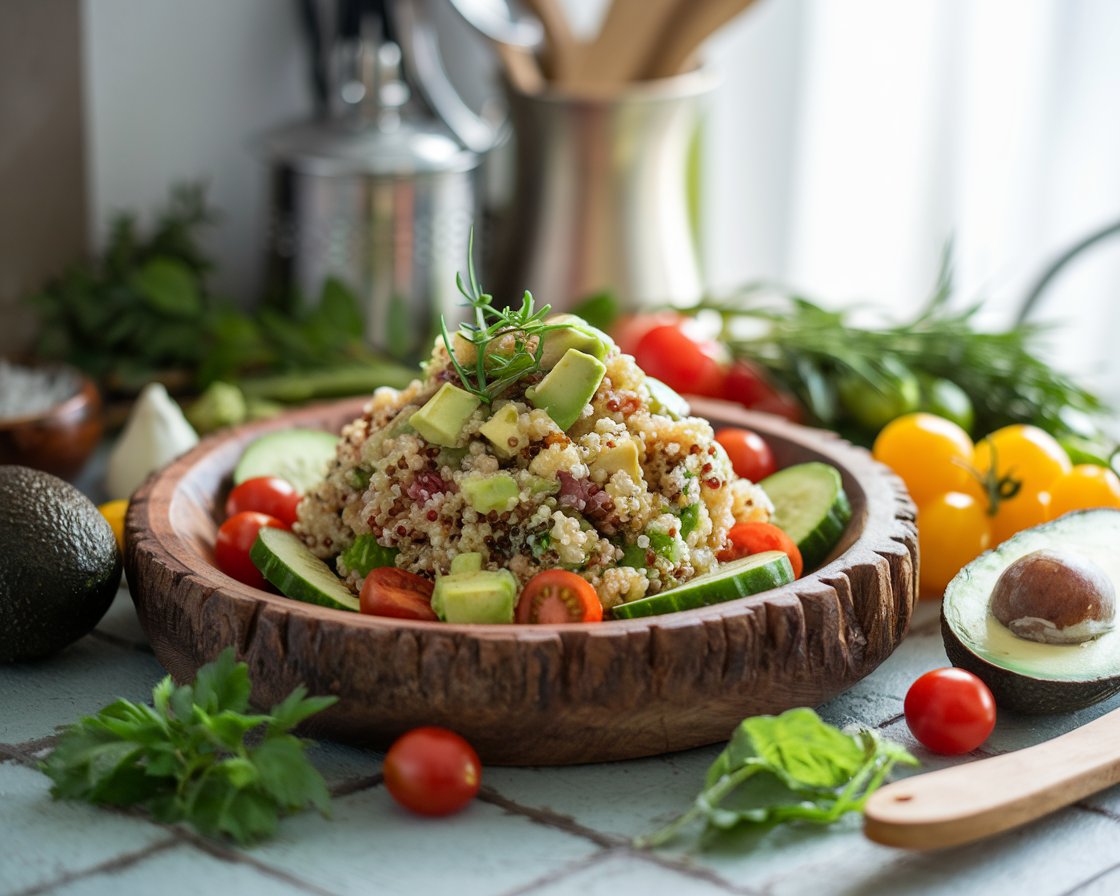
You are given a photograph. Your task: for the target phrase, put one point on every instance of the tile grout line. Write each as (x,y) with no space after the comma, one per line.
(235,857)
(549,818)
(573,867)
(686,867)
(115,864)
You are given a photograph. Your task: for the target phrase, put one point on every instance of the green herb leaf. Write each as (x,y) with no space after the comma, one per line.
(791,767)
(195,755)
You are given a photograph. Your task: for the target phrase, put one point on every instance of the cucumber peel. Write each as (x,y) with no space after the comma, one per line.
(297,573)
(810,506)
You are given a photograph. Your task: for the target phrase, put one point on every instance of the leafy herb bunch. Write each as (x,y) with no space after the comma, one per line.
(195,755)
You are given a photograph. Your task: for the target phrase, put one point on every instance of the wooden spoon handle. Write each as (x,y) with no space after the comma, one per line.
(972,801)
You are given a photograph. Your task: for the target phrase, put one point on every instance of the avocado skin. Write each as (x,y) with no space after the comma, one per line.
(1020,693)
(59,564)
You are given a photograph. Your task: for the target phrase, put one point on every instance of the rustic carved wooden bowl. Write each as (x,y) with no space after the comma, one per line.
(533,695)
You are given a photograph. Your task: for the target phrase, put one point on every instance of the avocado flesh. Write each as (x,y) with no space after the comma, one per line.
(442,418)
(568,387)
(1024,675)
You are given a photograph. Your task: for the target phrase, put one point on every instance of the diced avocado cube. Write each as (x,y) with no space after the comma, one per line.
(443,416)
(664,400)
(538,485)
(366,554)
(502,433)
(623,456)
(468,562)
(481,596)
(568,387)
(493,492)
(576,333)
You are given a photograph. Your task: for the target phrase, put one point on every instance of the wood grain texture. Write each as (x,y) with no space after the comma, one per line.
(534,695)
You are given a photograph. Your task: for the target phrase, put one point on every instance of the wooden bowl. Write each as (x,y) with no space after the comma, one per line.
(533,695)
(58,440)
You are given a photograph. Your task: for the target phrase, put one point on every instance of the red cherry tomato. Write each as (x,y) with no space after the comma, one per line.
(629,329)
(265,494)
(745,539)
(669,354)
(388,591)
(432,771)
(235,537)
(950,711)
(557,595)
(750,456)
(746,383)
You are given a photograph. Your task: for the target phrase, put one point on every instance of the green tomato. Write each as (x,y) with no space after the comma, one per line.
(946,399)
(874,404)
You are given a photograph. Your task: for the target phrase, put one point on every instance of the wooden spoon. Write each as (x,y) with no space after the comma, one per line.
(626,39)
(969,802)
(557,54)
(678,40)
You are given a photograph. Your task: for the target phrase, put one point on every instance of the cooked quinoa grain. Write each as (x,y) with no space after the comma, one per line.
(629,497)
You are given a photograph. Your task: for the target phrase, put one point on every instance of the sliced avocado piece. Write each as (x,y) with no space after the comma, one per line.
(502,433)
(568,387)
(366,554)
(576,333)
(623,456)
(1023,675)
(493,492)
(666,401)
(468,562)
(739,578)
(481,596)
(442,417)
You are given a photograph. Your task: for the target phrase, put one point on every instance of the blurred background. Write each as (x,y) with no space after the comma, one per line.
(845,143)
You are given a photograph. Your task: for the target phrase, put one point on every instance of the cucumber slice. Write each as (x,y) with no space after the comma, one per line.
(289,565)
(739,578)
(297,455)
(810,506)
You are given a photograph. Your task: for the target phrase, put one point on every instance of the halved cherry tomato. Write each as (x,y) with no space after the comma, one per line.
(749,453)
(265,494)
(388,591)
(950,711)
(231,547)
(682,363)
(745,539)
(432,771)
(557,595)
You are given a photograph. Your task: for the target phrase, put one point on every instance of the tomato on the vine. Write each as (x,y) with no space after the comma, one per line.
(685,364)
(231,546)
(265,494)
(432,771)
(930,454)
(953,529)
(1082,487)
(950,711)
(1026,454)
(558,595)
(1021,512)
(750,455)
(388,591)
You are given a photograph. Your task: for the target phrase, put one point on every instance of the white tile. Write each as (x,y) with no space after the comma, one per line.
(623,873)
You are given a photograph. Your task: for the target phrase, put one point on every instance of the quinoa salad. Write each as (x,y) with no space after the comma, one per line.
(579,462)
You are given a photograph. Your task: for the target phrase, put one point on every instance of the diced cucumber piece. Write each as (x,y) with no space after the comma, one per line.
(298,455)
(810,506)
(690,518)
(297,573)
(366,554)
(739,578)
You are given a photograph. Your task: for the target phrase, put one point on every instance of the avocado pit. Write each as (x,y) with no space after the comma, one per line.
(1054,597)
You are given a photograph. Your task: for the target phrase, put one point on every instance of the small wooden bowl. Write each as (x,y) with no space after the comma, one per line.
(533,695)
(58,440)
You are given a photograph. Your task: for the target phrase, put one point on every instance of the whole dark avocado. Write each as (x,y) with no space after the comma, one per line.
(59,564)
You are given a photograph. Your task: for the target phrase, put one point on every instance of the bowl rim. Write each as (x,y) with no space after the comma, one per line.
(86,394)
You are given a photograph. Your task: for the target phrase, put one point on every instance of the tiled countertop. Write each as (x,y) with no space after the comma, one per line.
(550,831)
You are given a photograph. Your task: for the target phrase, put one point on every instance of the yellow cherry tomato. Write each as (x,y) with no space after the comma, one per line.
(1084,486)
(1019,513)
(1027,454)
(930,454)
(114,512)
(953,529)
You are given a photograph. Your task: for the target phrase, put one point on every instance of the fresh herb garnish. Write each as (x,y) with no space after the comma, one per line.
(508,342)
(195,755)
(791,767)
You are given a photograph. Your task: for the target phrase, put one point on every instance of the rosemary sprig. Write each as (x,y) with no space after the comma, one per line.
(520,330)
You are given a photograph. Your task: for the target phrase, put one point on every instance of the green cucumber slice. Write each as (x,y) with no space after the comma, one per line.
(297,455)
(810,506)
(289,565)
(739,578)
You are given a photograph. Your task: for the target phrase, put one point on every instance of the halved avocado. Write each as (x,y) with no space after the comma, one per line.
(1027,676)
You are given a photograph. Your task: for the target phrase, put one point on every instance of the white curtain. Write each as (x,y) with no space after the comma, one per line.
(852,138)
